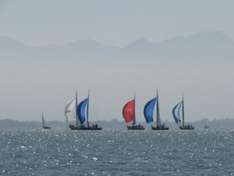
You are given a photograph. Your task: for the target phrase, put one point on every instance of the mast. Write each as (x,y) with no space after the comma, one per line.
(158,122)
(134,110)
(76,108)
(87,113)
(43,120)
(182,111)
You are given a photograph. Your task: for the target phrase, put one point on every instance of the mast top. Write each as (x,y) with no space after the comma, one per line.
(157,93)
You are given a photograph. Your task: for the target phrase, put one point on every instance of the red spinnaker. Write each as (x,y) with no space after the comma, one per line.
(129,111)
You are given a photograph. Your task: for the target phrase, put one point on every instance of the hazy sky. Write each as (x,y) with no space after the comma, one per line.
(115,22)
(28,89)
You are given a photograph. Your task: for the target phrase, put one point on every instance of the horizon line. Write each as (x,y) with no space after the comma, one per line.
(52,44)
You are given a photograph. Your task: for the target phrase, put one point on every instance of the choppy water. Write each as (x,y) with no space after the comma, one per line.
(116,153)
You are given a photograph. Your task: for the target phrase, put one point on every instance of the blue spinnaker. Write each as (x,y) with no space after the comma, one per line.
(149,110)
(176,112)
(179,111)
(81,110)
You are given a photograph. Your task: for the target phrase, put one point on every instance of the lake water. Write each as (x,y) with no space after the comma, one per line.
(48,153)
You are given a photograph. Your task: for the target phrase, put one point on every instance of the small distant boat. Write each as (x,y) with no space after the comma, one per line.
(43,123)
(130,117)
(79,115)
(206,126)
(149,111)
(177,112)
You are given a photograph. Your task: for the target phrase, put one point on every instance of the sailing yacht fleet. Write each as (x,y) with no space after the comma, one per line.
(156,123)
(77,115)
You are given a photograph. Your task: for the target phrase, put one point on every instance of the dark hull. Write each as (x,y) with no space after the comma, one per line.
(136,127)
(160,128)
(187,127)
(46,127)
(85,128)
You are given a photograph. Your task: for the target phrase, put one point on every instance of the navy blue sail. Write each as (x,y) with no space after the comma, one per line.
(176,112)
(81,110)
(149,110)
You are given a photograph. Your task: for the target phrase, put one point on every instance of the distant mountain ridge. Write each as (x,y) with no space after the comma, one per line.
(203,47)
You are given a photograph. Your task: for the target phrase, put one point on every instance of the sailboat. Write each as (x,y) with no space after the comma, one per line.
(129,116)
(43,123)
(149,111)
(70,113)
(80,116)
(206,126)
(177,112)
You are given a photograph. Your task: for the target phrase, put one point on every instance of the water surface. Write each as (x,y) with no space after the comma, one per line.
(49,153)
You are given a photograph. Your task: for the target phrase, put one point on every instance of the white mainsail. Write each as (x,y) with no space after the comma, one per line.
(70,112)
(43,120)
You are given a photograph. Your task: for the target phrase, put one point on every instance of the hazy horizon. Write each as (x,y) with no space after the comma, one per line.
(133,41)
(111,22)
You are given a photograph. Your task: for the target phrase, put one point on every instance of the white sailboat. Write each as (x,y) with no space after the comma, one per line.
(77,115)
(43,123)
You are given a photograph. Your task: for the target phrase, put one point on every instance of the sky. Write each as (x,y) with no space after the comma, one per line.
(111,22)
(28,89)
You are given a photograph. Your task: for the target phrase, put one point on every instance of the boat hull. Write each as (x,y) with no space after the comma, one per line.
(160,128)
(92,128)
(187,127)
(136,127)
(46,127)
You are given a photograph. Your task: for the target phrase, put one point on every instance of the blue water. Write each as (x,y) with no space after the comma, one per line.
(120,153)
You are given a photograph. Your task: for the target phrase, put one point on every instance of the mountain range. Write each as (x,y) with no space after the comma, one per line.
(203,47)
